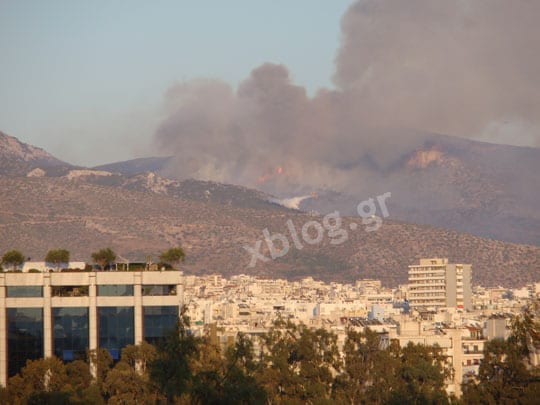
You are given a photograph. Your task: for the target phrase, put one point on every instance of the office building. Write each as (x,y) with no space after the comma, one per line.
(65,313)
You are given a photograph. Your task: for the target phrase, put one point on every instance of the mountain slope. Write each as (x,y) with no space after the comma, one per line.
(136,166)
(18,158)
(486,189)
(38,214)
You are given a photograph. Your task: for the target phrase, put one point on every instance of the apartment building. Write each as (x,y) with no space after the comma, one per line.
(463,347)
(435,283)
(65,313)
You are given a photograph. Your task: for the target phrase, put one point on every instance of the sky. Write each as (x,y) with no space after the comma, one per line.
(86,80)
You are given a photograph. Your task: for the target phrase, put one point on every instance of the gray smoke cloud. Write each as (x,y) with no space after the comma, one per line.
(404,69)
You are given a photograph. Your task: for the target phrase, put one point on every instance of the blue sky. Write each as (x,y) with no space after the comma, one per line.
(78,75)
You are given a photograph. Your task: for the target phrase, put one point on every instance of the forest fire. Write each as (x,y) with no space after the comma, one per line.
(278,171)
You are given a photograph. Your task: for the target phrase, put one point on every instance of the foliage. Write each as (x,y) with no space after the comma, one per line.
(298,363)
(57,256)
(228,379)
(295,365)
(100,361)
(13,258)
(173,256)
(171,369)
(128,382)
(506,375)
(103,257)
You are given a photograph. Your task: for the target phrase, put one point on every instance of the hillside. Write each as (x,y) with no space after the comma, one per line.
(38,214)
(485,189)
(18,158)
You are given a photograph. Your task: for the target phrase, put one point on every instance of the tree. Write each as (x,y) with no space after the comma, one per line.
(13,258)
(298,364)
(57,256)
(128,382)
(421,372)
(173,256)
(50,381)
(362,354)
(39,378)
(506,374)
(171,370)
(226,380)
(103,257)
(100,361)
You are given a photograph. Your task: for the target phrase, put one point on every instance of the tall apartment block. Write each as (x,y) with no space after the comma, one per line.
(65,313)
(435,283)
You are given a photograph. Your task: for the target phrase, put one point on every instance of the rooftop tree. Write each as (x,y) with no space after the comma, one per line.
(57,256)
(173,256)
(13,258)
(103,257)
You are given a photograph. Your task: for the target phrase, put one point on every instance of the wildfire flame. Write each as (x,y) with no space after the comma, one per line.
(278,171)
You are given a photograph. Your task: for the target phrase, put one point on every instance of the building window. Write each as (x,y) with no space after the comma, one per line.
(70,333)
(158,322)
(69,291)
(24,291)
(158,289)
(25,337)
(115,290)
(116,328)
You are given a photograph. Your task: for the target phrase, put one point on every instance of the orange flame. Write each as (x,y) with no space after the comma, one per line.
(273,173)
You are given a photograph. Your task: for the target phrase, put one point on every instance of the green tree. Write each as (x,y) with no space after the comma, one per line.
(228,379)
(506,374)
(57,256)
(128,382)
(103,257)
(13,258)
(421,372)
(172,369)
(362,356)
(173,256)
(298,364)
(41,378)
(414,374)
(100,361)
(50,381)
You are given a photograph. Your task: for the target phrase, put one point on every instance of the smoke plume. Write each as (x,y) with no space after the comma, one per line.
(404,69)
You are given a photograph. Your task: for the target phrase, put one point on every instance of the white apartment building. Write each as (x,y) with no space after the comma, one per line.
(66,313)
(435,283)
(462,346)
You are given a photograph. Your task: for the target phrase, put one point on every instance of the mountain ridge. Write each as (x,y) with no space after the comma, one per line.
(486,189)
(85,209)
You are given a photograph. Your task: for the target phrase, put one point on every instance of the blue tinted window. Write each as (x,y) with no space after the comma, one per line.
(117,290)
(158,322)
(116,329)
(70,333)
(24,291)
(25,337)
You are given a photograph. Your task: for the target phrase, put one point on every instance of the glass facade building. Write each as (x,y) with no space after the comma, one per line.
(25,337)
(116,327)
(70,333)
(158,321)
(65,314)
